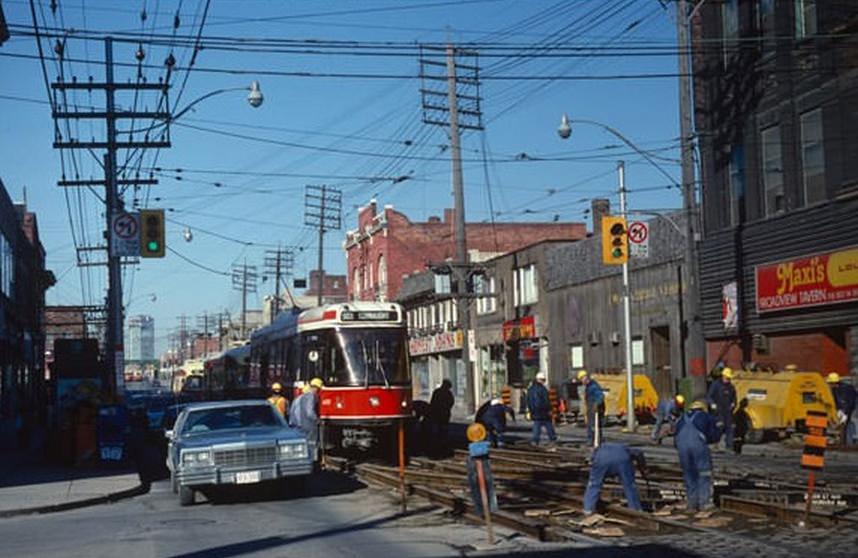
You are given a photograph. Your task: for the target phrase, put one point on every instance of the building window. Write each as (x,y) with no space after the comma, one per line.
(356,282)
(525,285)
(576,356)
(773,172)
(482,286)
(812,157)
(729,28)
(805,18)
(382,278)
(736,186)
(7,267)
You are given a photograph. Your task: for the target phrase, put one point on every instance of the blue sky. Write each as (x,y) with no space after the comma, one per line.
(245,170)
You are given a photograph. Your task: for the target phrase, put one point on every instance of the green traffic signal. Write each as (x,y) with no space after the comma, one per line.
(617,253)
(152,246)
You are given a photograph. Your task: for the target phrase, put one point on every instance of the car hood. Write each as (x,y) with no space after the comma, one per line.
(238,436)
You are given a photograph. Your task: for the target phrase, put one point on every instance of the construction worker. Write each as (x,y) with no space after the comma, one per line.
(539,407)
(614,460)
(722,399)
(594,398)
(304,412)
(666,415)
(492,415)
(694,432)
(278,400)
(844,401)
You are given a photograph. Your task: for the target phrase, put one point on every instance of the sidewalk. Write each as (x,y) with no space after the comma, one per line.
(29,485)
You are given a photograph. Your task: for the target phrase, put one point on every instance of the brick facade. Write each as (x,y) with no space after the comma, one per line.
(387,246)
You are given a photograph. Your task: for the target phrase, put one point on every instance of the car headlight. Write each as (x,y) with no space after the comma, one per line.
(293,451)
(197,457)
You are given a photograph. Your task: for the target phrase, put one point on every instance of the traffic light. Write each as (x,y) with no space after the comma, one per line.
(615,240)
(152,233)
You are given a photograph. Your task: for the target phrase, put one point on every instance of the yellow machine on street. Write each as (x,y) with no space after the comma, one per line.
(614,386)
(779,401)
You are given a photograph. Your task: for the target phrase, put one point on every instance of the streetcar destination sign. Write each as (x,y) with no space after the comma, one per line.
(368,316)
(816,280)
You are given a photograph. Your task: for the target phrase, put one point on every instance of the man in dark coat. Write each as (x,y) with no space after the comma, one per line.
(539,407)
(722,399)
(440,406)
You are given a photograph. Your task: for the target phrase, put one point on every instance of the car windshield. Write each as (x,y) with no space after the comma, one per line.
(229,418)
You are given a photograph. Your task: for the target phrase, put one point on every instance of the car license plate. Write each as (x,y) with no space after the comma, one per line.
(247,477)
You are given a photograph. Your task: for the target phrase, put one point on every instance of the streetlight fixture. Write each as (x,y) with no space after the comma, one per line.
(565,131)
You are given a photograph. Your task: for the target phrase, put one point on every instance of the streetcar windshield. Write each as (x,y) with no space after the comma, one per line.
(358,357)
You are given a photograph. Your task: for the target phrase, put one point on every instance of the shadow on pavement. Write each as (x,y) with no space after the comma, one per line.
(325,483)
(269,543)
(635,551)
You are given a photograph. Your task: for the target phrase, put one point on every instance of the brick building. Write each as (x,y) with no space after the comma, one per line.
(776,109)
(387,246)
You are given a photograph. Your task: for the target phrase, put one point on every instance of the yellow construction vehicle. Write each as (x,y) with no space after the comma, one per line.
(614,386)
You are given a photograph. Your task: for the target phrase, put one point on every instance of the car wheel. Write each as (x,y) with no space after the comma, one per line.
(187,495)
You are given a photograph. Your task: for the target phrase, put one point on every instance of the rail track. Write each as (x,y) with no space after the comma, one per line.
(540,494)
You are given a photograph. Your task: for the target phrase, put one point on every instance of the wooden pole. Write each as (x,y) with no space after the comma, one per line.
(402,465)
(484,497)
(811,478)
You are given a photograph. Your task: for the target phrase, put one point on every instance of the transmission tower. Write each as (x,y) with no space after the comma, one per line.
(244,279)
(323,208)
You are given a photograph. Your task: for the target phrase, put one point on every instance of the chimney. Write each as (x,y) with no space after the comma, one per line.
(449,215)
(599,207)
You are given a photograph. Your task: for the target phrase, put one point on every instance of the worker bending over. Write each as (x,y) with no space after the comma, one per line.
(614,460)
(694,432)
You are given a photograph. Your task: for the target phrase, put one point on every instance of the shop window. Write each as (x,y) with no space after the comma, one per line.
(812,157)
(637,352)
(525,285)
(576,356)
(482,286)
(381,294)
(773,172)
(805,18)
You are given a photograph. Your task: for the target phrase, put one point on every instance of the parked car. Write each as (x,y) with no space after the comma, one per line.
(234,442)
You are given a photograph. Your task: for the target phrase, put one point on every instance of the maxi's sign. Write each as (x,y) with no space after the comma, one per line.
(820,279)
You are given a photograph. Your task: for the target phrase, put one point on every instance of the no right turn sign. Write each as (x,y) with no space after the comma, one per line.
(638,239)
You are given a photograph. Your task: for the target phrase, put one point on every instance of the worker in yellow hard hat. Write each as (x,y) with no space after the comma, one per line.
(694,432)
(277,399)
(722,401)
(667,413)
(304,412)
(844,401)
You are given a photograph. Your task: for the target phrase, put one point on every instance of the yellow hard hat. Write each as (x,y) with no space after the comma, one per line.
(680,399)
(833,378)
(276,387)
(581,374)
(791,368)
(316,383)
(305,388)
(699,405)
(476,432)
(727,373)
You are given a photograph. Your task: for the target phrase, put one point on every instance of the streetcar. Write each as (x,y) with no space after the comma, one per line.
(227,375)
(360,350)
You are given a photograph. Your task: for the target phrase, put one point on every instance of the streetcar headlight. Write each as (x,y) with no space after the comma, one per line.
(293,450)
(374,402)
(403,404)
(197,458)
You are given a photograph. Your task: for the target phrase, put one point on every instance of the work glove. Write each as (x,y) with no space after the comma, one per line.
(713,407)
(527,415)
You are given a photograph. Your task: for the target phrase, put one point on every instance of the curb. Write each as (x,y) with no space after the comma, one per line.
(138,490)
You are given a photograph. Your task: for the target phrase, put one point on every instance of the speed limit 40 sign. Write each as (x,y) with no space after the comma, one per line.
(638,239)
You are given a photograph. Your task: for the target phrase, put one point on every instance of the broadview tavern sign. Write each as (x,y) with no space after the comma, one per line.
(816,280)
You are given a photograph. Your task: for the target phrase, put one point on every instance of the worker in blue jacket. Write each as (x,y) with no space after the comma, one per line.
(492,415)
(614,460)
(666,415)
(722,398)
(694,432)
(594,397)
(539,407)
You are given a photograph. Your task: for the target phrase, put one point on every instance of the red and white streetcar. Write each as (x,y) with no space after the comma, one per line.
(360,351)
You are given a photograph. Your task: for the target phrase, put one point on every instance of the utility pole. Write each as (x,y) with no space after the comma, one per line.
(203,321)
(695,344)
(322,208)
(456,115)
(183,337)
(278,263)
(627,312)
(244,279)
(114,354)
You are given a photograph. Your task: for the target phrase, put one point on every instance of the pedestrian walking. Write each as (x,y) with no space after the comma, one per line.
(594,399)
(844,401)
(304,412)
(492,414)
(440,407)
(666,415)
(614,460)
(722,400)
(277,399)
(694,432)
(539,407)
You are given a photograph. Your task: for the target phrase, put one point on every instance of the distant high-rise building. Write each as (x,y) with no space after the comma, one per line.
(140,339)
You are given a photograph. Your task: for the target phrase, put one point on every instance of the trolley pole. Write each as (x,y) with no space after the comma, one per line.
(627,313)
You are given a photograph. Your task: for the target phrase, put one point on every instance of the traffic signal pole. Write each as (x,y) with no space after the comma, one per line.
(627,311)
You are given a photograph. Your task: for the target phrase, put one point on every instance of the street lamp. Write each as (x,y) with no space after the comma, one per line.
(565,131)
